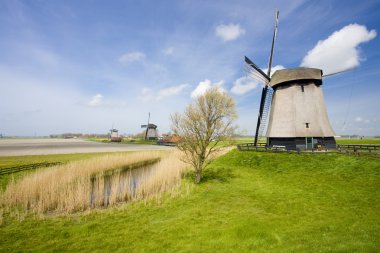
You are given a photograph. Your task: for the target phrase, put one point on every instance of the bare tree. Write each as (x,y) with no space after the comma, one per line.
(205,122)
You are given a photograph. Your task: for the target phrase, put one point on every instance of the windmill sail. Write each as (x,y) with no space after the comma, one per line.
(265,113)
(267,92)
(255,72)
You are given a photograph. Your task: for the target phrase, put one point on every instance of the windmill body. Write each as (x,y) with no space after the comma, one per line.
(152,132)
(115,135)
(298,116)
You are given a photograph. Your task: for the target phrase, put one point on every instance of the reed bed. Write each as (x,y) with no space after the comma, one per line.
(95,182)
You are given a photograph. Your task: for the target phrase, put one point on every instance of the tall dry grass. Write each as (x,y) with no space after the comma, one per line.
(80,185)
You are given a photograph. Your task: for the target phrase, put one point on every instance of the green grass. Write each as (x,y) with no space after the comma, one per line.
(247,202)
(370,141)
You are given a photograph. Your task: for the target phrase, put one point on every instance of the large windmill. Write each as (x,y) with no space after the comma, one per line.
(292,110)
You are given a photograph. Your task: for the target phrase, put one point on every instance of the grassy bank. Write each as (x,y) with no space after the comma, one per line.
(247,202)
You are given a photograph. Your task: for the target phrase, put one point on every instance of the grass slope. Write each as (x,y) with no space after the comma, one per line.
(248,202)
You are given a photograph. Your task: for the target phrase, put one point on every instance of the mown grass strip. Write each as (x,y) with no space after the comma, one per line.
(14,169)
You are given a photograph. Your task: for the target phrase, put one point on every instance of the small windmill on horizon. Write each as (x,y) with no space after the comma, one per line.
(292,110)
(151,132)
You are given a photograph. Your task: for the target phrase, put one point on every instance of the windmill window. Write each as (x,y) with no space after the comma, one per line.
(302,88)
(307,125)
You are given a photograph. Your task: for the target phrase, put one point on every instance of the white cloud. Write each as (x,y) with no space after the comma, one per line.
(171,91)
(148,94)
(339,51)
(358,119)
(274,69)
(96,100)
(229,32)
(243,85)
(168,51)
(132,57)
(203,86)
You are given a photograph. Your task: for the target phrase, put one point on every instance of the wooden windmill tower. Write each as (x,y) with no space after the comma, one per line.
(292,109)
(151,132)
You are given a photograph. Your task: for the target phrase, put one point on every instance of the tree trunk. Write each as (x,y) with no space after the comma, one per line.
(197,176)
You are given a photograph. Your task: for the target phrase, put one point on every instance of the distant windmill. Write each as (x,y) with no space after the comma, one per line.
(114,134)
(292,101)
(151,132)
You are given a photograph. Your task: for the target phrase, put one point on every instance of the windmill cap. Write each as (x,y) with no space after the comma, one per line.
(288,75)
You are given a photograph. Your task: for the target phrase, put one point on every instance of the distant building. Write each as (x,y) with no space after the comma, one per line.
(151,132)
(115,135)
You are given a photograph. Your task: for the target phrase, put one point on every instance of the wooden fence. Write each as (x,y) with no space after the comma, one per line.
(14,169)
(358,148)
(355,149)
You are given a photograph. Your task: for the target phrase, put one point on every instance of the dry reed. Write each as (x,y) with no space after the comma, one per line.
(97,182)
(83,184)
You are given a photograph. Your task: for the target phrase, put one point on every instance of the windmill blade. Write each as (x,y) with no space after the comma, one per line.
(337,73)
(265,102)
(255,72)
(255,75)
(273,41)
(144,126)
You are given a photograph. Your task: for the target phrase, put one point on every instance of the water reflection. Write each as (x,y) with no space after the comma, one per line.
(118,186)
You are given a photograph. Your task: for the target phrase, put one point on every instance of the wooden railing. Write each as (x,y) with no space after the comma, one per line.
(341,149)
(358,148)
(14,169)
(252,147)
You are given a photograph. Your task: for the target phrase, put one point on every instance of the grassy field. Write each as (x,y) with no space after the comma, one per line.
(358,141)
(258,202)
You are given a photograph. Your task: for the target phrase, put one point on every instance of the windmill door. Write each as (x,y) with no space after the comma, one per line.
(309,142)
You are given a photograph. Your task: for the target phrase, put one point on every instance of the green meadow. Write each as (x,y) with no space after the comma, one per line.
(247,202)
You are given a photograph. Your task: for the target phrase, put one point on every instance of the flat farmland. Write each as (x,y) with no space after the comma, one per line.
(21,147)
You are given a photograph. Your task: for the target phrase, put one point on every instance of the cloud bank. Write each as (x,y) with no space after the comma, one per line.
(96,100)
(203,86)
(339,52)
(132,57)
(273,70)
(229,32)
(243,85)
(168,51)
(148,94)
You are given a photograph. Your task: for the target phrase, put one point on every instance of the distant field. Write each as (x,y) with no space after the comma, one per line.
(247,202)
(358,141)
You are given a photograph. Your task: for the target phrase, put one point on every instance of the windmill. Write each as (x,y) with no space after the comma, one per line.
(114,135)
(151,132)
(292,111)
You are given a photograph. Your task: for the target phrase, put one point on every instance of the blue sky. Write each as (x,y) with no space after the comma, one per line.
(83,66)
